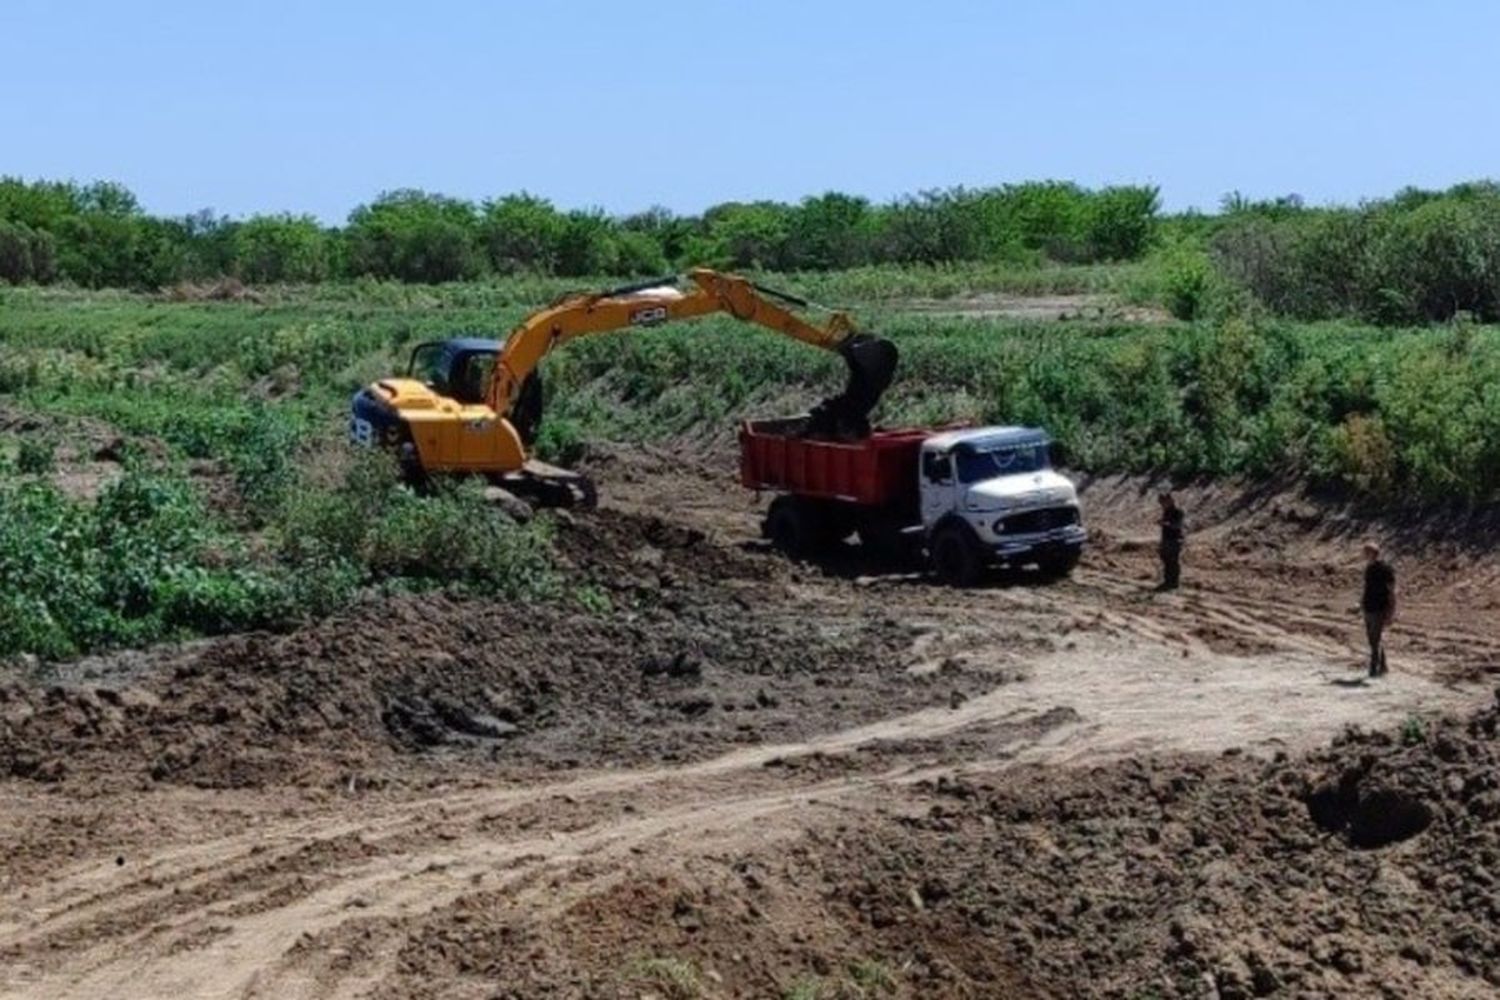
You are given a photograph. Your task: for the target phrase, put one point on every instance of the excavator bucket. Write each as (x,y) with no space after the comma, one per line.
(846,417)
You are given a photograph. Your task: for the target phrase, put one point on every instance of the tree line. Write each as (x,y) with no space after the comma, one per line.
(98,236)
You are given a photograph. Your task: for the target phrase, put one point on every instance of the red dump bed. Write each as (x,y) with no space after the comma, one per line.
(880,470)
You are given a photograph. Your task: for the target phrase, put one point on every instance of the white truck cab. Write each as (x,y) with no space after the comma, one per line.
(990,495)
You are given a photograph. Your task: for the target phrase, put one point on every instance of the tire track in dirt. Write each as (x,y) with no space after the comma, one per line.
(210,919)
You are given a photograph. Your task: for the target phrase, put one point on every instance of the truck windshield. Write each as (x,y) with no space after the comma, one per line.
(974,466)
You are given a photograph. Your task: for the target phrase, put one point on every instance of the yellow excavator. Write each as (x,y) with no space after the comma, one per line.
(473,405)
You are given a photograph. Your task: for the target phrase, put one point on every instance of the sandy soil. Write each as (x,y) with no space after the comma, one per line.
(756,779)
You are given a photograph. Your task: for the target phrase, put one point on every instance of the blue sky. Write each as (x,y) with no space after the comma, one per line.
(315,107)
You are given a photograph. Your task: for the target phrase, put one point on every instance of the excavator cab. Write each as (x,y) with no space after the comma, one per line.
(459,368)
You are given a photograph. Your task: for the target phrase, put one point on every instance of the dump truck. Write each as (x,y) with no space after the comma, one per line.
(960,498)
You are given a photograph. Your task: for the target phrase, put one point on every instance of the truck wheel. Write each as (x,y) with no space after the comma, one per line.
(1060,563)
(881,536)
(955,557)
(834,525)
(789,527)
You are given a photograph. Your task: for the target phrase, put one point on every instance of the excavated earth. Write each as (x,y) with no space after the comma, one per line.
(718,774)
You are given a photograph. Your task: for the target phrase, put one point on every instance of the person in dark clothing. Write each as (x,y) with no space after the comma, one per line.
(1172,533)
(1378,604)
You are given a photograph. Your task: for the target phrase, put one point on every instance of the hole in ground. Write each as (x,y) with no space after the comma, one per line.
(1370,819)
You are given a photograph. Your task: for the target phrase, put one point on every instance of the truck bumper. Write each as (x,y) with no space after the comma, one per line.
(1007,549)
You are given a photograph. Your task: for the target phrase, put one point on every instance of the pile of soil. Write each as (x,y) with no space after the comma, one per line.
(681,664)
(1366,869)
(1369,868)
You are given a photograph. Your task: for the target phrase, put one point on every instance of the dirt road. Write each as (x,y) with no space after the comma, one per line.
(756,779)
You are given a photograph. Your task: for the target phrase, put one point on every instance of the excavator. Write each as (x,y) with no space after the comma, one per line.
(473,406)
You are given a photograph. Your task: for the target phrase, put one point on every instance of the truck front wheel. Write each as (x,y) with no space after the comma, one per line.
(1059,562)
(956,557)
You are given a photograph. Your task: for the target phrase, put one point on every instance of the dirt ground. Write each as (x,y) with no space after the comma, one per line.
(748,778)
(1034,308)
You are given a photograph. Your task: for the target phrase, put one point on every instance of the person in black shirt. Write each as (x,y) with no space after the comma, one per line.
(1172,532)
(1378,604)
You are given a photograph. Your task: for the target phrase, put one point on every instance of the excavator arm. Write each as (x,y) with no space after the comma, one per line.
(871,360)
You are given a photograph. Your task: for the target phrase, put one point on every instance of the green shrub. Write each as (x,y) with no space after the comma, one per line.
(1120,222)
(372,524)
(521,232)
(414,236)
(455,537)
(1362,454)
(83,575)
(269,248)
(1187,278)
(26,254)
(207,601)
(560,440)
(35,457)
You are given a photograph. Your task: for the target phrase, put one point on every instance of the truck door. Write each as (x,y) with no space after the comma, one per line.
(938,486)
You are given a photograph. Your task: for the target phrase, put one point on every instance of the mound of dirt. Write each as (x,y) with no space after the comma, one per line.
(1367,869)
(681,664)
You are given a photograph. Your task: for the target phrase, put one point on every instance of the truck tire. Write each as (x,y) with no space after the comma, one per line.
(790,527)
(955,556)
(835,523)
(1060,562)
(881,536)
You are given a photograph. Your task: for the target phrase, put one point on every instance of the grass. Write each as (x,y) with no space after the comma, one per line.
(864,979)
(675,978)
(1413,730)
(258,390)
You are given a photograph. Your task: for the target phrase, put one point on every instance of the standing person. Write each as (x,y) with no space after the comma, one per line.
(1378,604)
(1172,533)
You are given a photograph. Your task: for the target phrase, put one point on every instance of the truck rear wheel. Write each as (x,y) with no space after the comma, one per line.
(834,524)
(956,557)
(790,527)
(881,535)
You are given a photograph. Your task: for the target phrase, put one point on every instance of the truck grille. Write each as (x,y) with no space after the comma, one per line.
(1033,521)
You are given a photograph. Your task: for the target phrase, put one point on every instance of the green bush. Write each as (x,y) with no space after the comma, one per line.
(453,536)
(147,561)
(26,254)
(414,236)
(80,575)
(375,525)
(521,232)
(34,457)
(1187,283)
(208,601)
(560,441)
(280,248)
